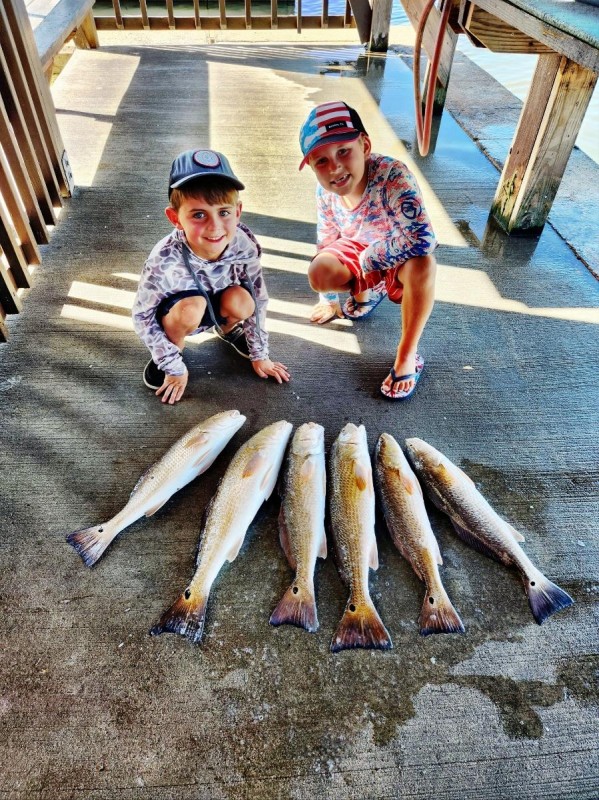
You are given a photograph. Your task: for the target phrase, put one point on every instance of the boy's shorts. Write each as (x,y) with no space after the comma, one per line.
(168,302)
(347,251)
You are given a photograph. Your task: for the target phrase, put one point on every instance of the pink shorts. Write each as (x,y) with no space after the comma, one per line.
(347,251)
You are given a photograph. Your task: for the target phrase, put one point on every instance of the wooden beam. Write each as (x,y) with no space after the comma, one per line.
(362,12)
(499,36)
(381,22)
(549,123)
(557,40)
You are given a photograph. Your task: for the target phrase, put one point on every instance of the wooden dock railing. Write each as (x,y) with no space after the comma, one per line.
(34,171)
(222,14)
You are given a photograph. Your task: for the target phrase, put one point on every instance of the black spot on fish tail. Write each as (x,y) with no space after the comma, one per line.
(439,616)
(186,617)
(90,543)
(296,607)
(544,597)
(361,626)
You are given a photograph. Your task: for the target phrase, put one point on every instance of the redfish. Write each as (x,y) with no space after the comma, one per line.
(191,455)
(352,522)
(410,529)
(301,525)
(481,527)
(248,481)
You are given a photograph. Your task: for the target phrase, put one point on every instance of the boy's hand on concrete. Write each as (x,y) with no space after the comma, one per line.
(324,312)
(173,387)
(266,367)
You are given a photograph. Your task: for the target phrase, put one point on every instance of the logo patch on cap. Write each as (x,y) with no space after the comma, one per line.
(206,158)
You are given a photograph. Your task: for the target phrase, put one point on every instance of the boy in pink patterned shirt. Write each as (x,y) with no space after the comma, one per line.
(374,236)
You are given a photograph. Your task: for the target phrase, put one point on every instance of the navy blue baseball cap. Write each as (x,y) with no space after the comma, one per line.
(329,123)
(198,163)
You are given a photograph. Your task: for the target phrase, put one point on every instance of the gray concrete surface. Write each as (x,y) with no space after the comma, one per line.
(90,705)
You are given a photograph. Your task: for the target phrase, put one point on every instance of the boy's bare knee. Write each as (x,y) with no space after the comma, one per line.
(322,273)
(184,317)
(236,303)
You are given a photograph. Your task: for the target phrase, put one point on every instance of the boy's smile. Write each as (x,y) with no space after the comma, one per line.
(341,168)
(209,229)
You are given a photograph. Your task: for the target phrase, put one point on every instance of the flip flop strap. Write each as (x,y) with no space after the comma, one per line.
(395,377)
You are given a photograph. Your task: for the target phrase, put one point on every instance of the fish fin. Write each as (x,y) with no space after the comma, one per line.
(373,558)
(474,542)
(254,464)
(438,614)
(406,483)
(322,550)
(265,480)
(284,539)
(201,438)
(186,617)
(90,543)
(307,469)
(151,511)
(544,597)
(297,607)
(516,534)
(361,626)
(235,548)
(362,474)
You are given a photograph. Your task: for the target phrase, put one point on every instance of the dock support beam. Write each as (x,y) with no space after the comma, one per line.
(549,123)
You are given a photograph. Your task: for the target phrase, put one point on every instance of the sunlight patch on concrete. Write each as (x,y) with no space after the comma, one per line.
(286,264)
(343,341)
(303,310)
(473,287)
(85,134)
(107,295)
(91,315)
(287,246)
(128,276)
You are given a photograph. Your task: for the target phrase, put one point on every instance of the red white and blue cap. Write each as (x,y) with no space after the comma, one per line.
(329,123)
(194,164)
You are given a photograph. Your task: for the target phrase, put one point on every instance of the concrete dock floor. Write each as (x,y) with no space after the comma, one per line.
(90,705)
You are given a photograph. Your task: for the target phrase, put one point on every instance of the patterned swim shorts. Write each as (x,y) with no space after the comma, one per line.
(347,251)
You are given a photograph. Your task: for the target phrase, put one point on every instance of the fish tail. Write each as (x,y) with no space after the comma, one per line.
(186,617)
(90,543)
(438,614)
(544,597)
(297,607)
(361,626)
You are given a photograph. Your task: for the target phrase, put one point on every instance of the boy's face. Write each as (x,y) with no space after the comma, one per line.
(341,167)
(209,229)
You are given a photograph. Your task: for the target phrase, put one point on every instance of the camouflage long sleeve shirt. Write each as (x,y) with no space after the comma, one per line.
(165,273)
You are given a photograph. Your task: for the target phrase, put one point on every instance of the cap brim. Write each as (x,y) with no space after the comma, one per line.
(332,139)
(236,183)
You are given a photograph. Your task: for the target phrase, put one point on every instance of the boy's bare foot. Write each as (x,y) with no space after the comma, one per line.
(402,379)
(326,310)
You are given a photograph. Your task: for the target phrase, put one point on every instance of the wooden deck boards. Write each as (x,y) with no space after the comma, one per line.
(91,705)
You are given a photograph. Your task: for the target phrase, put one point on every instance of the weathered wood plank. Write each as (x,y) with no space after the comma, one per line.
(379,29)
(498,36)
(22,179)
(547,130)
(558,40)
(9,66)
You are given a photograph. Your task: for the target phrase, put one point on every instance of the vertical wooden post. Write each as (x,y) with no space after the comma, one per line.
(379,29)
(549,123)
